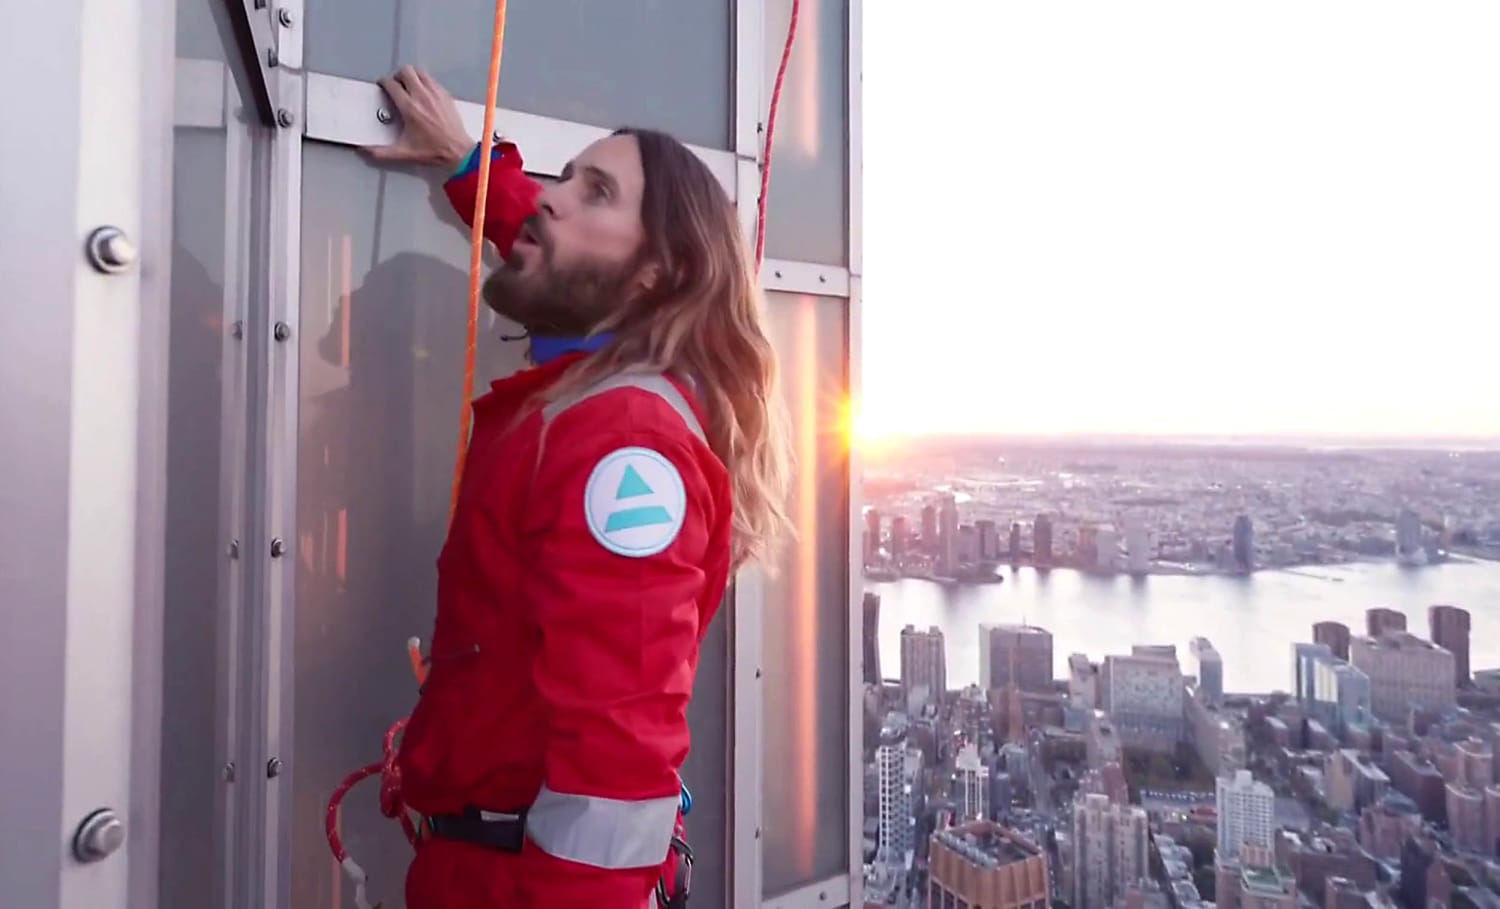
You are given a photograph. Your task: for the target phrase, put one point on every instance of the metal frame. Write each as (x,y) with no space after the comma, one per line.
(157,25)
(745,776)
(350,112)
(272,634)
(854,51)
(834,891)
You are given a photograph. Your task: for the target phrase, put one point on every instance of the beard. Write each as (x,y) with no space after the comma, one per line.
(553,301)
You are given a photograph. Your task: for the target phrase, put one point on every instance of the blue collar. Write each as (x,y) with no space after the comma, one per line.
(546,348)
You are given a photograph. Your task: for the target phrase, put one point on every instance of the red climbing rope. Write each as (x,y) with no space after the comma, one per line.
(391,803)
(765,167)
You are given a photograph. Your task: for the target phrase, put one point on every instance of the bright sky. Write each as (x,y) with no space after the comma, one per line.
(1182,217)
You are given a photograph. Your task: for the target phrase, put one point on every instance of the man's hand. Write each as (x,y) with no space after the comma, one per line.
(432,131)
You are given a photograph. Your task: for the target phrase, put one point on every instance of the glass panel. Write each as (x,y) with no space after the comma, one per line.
(806,806)
(213,145)
(808,211)
(384,284)
(581,60)
(704,771)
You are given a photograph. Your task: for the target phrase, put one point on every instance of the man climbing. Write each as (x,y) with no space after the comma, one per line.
(610,491)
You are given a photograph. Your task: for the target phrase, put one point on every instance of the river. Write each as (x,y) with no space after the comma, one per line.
(1253,621)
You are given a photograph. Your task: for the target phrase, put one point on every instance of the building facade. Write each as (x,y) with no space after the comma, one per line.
(1025,650)
(1143,693)
(1405,671)
(1334,636)
(1448,626)
(982,864)
(264,354)
(1247,813)
(924,665)
(1210,666)
(1110,844)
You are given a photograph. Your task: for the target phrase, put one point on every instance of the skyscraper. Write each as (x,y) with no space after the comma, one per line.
(1247,813)
(1409,549)
(1210,669)
(1244,543)
(972,781)
(1379,620)
(1137,545)
(1015,540)
(1109,850)
(895,794)
(1448,626)
(1026,648)
(924,665)
(900,536)
(948,534)
(989,540)
(981,863)
(1335,635)
(870,638)
(1041,540)
(872,536)
(1405,671)
(929,530)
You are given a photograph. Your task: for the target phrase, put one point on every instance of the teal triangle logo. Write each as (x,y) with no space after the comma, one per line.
(632,485)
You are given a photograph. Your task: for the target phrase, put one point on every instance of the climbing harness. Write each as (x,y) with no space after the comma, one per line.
(675,883)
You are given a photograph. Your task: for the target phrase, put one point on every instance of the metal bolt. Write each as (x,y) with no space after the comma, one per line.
(285,117)
(822,279)
(273,768)
(822,896)
(278,548)
(284,16)
(234,549)
(237,329)
(757,673)
(110,250)
(100,834)
(282,331)
(757,833)
(778,274)
(229,772)
(384,115)
(272,60)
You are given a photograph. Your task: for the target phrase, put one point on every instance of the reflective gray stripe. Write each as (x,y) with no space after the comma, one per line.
(655,383)
(604,833)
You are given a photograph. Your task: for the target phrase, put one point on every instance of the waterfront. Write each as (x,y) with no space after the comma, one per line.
(1252,620)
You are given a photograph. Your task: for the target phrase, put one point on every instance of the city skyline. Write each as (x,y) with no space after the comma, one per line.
(1292,240)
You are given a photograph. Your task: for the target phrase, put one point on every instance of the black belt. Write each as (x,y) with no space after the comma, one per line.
(503,831)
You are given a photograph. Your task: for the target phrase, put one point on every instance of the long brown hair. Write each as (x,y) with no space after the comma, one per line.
(703,320)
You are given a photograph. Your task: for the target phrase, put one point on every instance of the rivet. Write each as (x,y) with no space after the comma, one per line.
(384,115)
(278,548)
(284,16)
(778,274)
(237,330)
(757,673)
(285,117)
(229,772)
(273,768)
(234,549)
(822,279)
(282,331)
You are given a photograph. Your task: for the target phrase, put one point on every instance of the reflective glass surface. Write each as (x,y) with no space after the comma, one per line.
(214,170)
(602,63)
(807,213)
(384,285)
(806,621)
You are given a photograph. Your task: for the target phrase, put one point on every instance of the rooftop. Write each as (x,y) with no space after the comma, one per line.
(987,844)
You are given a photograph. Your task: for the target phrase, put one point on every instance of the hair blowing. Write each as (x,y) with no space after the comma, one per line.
(703,319)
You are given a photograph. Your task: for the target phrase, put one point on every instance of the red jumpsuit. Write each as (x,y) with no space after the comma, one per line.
(589,551)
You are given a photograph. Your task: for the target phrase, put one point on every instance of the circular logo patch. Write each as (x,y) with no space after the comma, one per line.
(635,502)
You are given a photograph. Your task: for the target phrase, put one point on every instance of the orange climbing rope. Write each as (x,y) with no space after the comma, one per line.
(476,251)
(391,803)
